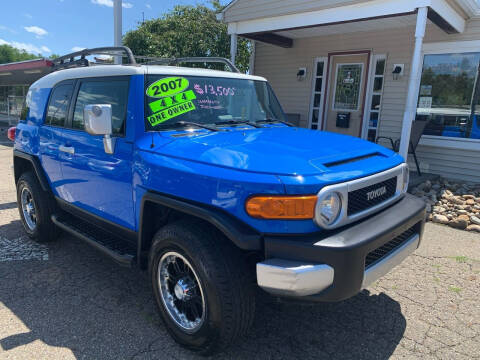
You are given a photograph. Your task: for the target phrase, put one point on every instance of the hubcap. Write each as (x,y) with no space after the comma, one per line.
(28,209)
(181,291)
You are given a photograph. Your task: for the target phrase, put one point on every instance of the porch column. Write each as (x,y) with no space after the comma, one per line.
(251,64)
(233,47)
(413,82)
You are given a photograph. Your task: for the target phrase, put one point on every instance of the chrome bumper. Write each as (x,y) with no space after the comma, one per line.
(292,278)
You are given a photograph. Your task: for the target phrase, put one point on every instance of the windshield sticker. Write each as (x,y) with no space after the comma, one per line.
(167,87)
(164,103)
(173,99)
(170,113)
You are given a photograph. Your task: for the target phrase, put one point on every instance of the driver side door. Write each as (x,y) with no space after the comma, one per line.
(95,181)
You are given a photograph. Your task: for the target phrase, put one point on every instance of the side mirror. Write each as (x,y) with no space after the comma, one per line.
(98,121)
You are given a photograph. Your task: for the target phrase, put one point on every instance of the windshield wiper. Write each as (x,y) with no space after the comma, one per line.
(202,126)
(273,120)
(239,122)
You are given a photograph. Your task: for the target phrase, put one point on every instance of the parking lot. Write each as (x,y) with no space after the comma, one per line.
(63,300)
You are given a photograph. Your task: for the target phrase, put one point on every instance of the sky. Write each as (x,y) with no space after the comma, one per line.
(62,26)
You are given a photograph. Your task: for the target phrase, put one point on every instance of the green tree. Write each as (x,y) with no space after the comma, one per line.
(187,31)
(10,54)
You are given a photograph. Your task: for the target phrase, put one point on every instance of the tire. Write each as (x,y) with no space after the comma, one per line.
(224,281)
(43,230)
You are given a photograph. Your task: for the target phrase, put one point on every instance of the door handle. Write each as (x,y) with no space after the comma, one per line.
(67,149)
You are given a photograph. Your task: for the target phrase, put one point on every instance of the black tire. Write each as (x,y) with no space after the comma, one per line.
(44,229)
(224,276)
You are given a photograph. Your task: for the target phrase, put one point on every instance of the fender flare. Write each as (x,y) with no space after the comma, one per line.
(241,234)
(37,167)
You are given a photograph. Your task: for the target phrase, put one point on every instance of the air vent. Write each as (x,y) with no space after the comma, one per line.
(351,160)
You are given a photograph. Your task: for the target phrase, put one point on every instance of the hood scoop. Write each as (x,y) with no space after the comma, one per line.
(351,160)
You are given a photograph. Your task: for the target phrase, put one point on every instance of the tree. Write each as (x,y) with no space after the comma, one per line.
(10,54)
(187,31)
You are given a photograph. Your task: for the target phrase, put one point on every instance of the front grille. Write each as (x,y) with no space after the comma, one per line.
(379,253)
(365,198)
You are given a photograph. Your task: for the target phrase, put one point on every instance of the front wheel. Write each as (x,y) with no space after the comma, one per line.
(202,286)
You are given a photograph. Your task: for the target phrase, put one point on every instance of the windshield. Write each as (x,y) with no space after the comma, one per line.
(172,100)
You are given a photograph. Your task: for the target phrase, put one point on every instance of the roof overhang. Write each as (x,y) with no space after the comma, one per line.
(440,13)
(24,72)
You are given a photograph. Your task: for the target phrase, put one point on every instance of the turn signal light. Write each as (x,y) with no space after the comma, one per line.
(11,133)
(282,207)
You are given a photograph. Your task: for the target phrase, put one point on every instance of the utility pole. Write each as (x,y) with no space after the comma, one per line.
(117,27)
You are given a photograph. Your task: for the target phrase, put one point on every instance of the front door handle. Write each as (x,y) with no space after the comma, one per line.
(67,149)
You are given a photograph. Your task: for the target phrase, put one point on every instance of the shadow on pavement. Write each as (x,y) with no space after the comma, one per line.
(10,205)
(84,302)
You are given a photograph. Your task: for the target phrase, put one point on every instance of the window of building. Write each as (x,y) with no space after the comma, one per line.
(373,111)
(58,107)
(113,92)
(449,95)
(318,92)
(12,98)
(347,86)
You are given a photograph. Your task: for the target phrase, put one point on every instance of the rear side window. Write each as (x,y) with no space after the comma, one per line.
(26,106)
(58,107)
(113,92)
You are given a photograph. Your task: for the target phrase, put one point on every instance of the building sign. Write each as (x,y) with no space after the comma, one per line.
(425,102)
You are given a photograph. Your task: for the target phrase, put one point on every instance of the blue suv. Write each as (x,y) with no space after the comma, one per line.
(195,175)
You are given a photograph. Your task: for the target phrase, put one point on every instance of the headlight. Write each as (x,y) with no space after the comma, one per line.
(328,208)
(406,178)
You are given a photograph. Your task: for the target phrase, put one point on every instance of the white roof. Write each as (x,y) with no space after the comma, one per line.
(53,78)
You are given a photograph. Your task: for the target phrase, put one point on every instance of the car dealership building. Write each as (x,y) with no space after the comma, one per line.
(374,68)
(15,78)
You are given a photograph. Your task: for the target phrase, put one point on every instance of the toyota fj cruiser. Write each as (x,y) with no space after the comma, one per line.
(196,175)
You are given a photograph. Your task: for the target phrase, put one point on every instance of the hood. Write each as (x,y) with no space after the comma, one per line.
(275,150)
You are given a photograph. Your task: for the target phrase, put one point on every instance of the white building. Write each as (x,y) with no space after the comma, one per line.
(373,67)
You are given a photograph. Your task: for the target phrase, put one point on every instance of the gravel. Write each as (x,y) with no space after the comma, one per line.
(451,203)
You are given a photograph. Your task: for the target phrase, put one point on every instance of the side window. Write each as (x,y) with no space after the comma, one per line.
(113,92)
(26,106)
(58,107)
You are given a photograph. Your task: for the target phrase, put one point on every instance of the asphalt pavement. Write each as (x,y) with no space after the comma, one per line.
(64,300)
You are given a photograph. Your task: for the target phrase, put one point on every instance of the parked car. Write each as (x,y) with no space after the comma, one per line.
(195,175)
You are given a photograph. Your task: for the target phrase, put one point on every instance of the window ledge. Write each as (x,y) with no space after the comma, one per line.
(450,142)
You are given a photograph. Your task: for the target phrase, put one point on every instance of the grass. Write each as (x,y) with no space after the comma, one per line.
(461,259)
(454,289)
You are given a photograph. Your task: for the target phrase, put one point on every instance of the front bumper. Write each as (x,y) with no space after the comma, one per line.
(337,265)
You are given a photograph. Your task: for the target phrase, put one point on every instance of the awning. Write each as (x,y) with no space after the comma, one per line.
(24,72)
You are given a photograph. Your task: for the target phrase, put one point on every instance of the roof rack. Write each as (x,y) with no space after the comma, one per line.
(78,59)
(69,61)
(177,61)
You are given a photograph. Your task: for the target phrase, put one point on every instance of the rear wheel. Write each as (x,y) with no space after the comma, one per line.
(202,286)
(35,207)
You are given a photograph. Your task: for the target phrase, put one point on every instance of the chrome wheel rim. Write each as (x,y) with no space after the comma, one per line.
(28,209)
(181,291)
